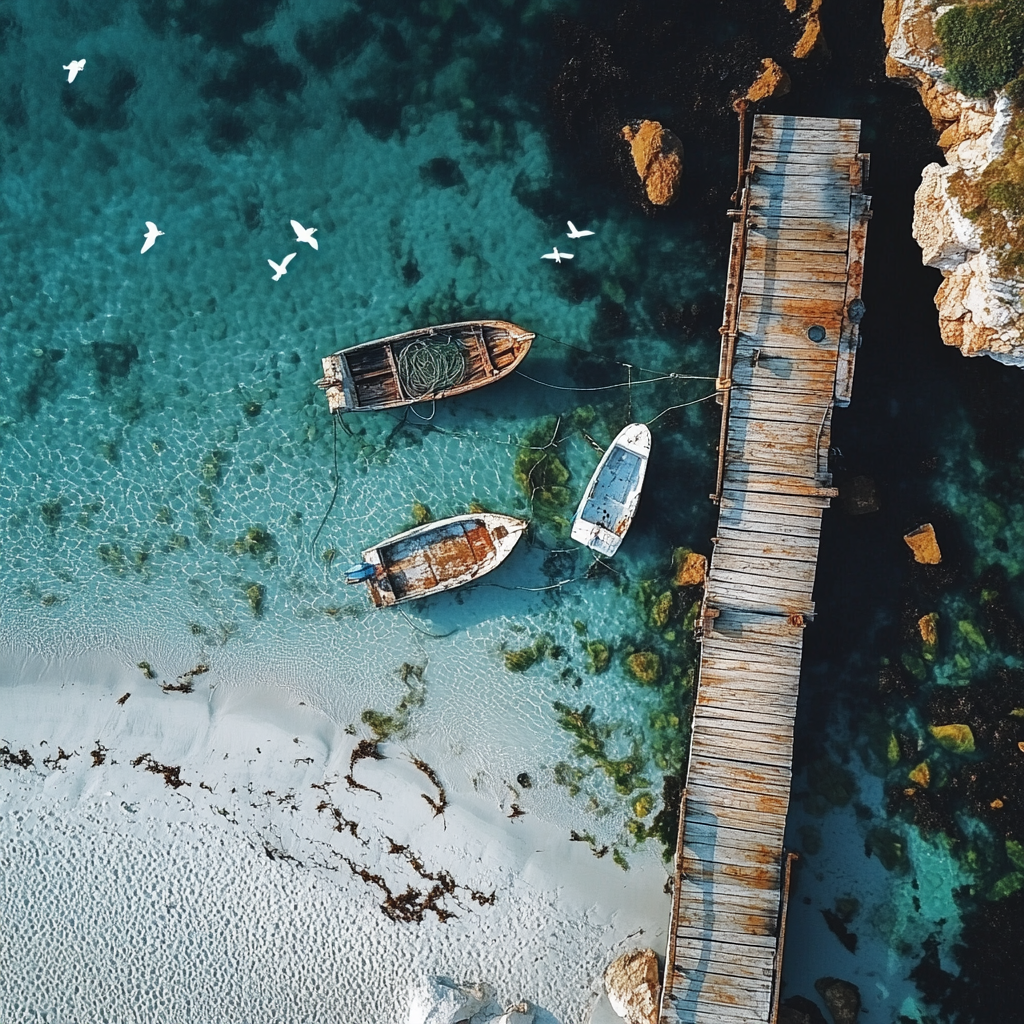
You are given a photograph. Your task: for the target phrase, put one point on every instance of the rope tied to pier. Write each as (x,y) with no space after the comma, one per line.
(430,365)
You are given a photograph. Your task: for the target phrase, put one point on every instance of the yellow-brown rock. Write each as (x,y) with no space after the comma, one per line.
(658,157)
(691,570)
(928,626)
(812,39)
(921,774)
(924,544)
(772,81)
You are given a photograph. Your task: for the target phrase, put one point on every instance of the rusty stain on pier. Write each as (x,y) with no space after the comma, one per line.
(789,339)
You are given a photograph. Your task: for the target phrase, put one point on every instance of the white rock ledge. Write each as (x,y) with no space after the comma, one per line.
(981,312)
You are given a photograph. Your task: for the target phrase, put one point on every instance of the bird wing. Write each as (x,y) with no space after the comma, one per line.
(550,256)
(287,260)
(298,229)
(566,255)
(148,243)
(276,266)
(583,234)
(572,229)
(152,229)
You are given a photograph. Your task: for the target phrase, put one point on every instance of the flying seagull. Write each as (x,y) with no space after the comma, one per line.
(557,256)
(152,234)
(574,232)
(282,267)
(73,68)
(305,234)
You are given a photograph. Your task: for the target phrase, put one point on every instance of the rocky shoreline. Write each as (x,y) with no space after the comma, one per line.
(980,301)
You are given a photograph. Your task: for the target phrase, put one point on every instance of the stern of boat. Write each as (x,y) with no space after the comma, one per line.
(332,383)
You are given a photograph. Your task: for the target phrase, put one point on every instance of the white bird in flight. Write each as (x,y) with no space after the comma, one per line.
(557,256)
(152,234)
(305,234)
(73,68)
(574,232)
(282,267)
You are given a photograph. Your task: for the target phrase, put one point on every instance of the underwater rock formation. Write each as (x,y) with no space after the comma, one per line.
(633,987)
(964,212)
(811,38)
(772,81)
(658,156)
(842,998)
(924,544)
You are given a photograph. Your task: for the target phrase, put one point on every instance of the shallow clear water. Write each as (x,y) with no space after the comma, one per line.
(160,405)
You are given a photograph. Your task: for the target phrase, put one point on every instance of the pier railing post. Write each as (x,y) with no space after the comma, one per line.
(734,285)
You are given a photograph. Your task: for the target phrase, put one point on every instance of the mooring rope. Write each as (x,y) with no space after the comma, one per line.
(428,366)
(683,405)
(337,485)
(603,387)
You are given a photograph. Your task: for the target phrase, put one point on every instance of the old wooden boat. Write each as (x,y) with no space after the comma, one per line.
(437,556)
(609,503)
(421,365)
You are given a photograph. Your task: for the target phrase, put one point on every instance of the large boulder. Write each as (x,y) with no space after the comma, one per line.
(439,1001)
(633,986)
(658,158)
(842,999)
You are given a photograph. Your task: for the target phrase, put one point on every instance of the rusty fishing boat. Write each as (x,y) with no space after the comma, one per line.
(436,557)
(422,365)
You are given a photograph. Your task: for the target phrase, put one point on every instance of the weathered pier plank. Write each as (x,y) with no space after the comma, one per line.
(790,335)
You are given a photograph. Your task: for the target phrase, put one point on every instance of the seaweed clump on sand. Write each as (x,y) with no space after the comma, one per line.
(386,725)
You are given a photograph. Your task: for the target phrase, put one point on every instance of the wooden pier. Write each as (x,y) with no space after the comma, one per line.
(789,340)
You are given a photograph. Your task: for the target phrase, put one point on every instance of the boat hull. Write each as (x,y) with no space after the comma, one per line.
(439,556)
(610,501)
(422,365)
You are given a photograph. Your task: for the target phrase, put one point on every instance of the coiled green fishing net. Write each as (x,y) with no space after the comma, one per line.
(431,365)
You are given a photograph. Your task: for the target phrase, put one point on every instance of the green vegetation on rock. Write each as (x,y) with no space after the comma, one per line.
(956,738)
(598,655)
(420,513)
(994,201)
(982,44)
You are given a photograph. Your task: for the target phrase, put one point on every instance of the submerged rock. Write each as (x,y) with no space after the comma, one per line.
(842,998)
(958,738)
(924,545)
(691,568)
(633,986)
(438,1001)
(771,81)
(644,667)
(658,157)
(800,1010)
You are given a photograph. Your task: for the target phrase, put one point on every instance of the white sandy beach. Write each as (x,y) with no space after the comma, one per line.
(231,897)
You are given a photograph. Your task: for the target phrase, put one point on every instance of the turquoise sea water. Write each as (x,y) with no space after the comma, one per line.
(157,407)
